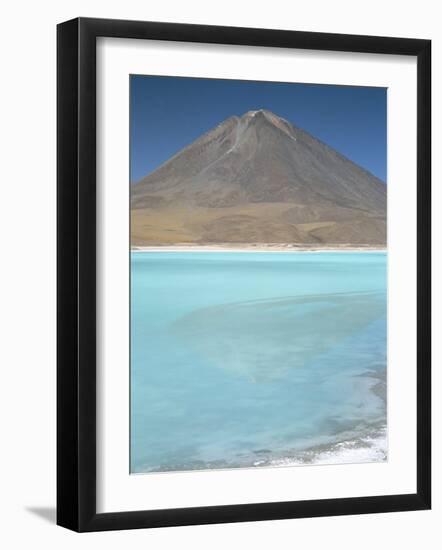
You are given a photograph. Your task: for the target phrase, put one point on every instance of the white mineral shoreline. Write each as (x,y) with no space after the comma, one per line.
(259,247)
(367,449)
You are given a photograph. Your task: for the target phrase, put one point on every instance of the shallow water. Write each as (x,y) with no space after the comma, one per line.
(250,359)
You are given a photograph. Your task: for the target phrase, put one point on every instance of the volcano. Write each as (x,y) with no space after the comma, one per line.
(259,179)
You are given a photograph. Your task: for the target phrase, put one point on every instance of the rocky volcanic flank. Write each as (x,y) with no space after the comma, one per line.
(258,179)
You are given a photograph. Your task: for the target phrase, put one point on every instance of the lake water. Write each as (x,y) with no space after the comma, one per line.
(248,359)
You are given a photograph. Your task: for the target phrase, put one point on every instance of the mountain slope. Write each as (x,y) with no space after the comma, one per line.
(258,179)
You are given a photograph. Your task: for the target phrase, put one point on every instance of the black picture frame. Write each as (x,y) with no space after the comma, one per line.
(77,287)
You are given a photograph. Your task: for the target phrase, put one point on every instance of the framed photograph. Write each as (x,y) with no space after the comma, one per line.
(243,274)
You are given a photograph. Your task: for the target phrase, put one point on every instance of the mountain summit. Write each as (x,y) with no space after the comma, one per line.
(259,179)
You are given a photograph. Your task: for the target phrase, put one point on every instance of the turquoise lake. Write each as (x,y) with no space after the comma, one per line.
(248,359)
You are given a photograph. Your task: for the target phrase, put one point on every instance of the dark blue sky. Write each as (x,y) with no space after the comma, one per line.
(168,113)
